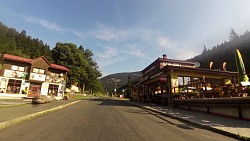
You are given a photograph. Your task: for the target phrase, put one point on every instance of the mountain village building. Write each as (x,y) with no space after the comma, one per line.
(24,78)
(165,78)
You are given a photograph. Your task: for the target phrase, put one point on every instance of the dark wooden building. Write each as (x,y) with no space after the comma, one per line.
(164,78)
(23,77)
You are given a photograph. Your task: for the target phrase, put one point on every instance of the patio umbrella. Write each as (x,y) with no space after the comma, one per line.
(240,67)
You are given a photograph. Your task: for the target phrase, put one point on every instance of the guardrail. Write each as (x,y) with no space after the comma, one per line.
(235,107)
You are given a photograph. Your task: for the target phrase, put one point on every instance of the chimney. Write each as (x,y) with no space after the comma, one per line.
(164,56)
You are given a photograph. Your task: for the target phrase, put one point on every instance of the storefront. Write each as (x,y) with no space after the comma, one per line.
(164,78)
(22,77)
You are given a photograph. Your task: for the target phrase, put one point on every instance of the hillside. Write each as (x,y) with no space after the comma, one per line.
(83,69)
(225,52)
(121,79)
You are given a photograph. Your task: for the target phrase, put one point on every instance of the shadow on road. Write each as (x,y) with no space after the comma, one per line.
(111,102)
(114,102)
(165,121)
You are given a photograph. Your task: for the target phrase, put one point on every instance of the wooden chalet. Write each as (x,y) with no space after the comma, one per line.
(165,78)
(23,77)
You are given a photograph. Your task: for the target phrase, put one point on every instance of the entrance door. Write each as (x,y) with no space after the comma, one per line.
(34,90)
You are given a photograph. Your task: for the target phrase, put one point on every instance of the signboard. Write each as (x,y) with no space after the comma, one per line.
(13,73)
(44,89)
(38,77)
(163,78)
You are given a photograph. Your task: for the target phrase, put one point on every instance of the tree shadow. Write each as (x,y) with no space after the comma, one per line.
(111,102)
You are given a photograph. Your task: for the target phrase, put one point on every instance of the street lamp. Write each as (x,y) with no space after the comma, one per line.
(116,81)
(115,88)
(123,93)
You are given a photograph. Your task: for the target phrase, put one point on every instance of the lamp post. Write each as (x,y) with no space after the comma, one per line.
(123,93)
(115,88)
(116,81)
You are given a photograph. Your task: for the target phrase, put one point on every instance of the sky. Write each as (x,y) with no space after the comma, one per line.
(128,35)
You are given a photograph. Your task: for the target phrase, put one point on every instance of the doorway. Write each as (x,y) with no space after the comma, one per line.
(34,90)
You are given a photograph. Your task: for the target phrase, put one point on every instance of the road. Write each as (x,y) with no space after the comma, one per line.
(106,120)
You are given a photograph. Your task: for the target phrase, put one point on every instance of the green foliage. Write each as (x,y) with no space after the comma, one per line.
(83,69)
(15,43)
(225,52)
(108,82)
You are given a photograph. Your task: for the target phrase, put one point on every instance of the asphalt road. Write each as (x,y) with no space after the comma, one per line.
(106,120)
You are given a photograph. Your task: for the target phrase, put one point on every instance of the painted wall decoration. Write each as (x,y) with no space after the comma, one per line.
(38,77)
(14,73)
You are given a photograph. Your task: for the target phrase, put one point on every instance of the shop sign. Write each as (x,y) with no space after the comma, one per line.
(163,78)
(44,89)
(13,73)
(38,77)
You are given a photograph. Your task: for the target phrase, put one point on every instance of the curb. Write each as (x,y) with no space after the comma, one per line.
(223,132)
(34,115)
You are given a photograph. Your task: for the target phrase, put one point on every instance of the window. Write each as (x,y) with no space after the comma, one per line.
(53,89)
(14,67)
(37,70)
(41,71)
(20,68)
(14,86)
(17,68)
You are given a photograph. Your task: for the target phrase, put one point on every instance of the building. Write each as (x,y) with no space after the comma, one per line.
(23,77)
(165,78)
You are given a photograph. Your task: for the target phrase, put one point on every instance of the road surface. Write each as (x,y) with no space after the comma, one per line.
(106,120)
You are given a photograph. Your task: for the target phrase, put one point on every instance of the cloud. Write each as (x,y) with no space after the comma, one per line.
(106,33)
(123,44)
(52,26)
(164,42)
(133,50)
(76,33)
(109,56)
(45,23)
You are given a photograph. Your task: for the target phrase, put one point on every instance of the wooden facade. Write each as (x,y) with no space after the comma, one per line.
(164,78)
(23,77)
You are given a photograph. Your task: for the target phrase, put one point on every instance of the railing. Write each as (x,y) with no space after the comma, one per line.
(237,107)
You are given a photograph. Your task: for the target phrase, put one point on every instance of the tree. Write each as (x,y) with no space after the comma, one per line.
(233,35)
(129,87)
(83,70)
(204,50)
(67,54)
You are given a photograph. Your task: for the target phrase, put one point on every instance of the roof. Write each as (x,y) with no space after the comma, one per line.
(30,61)
(159,60)
(202,70)
(59,67)
(42,57)
(17,58)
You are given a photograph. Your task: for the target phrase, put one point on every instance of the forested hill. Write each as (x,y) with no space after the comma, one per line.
(225,52)
(84,71)
(15,43)
(120,78)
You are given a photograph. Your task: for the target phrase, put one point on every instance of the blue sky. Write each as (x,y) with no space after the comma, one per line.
(127,35)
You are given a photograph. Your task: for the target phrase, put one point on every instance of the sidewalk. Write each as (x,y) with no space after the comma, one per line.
(227,126)
(21,110)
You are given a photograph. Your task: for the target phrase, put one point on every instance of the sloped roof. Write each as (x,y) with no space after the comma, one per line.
(42,57)
(16,58)
(59,67)
(30,61)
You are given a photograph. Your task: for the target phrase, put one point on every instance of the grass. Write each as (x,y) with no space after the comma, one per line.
(9,106)
(78,96)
